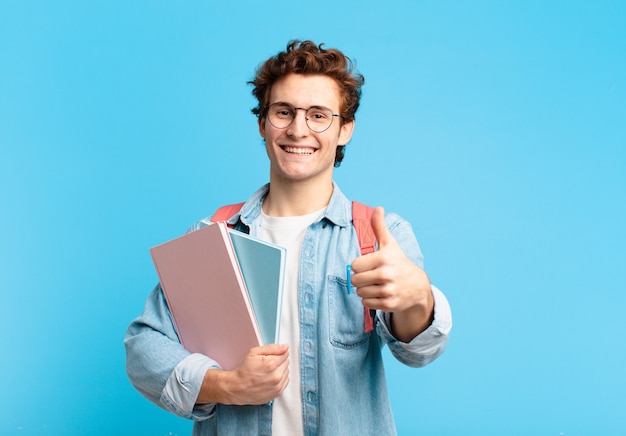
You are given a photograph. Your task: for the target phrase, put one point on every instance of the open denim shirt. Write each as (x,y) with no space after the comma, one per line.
(343,382)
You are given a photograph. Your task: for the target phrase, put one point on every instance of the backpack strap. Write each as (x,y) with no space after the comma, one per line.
(362,220)
(226,212)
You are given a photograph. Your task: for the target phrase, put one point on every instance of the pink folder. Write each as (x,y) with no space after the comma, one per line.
(207,296)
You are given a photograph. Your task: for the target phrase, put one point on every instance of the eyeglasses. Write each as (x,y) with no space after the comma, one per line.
(318,118)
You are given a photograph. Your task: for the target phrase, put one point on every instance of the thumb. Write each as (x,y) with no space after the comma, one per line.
(383,236)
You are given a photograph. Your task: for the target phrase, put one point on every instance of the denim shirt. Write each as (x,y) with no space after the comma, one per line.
(343,382)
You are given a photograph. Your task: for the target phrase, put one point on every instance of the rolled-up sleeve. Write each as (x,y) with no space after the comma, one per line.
(183,386)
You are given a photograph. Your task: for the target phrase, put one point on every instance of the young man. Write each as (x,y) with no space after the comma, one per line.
(326,376)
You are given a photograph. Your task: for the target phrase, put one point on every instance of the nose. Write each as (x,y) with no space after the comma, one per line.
(298,127)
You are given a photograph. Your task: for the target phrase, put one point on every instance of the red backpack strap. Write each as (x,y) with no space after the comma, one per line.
(362,220)
(225,212)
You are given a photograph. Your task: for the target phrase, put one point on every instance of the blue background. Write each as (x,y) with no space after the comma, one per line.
(497,128)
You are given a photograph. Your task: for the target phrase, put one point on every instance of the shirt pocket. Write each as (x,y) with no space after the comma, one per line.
(347,328)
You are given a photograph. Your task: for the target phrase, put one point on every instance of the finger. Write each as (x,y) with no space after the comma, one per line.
(369,275)
(383,236)
(272,349)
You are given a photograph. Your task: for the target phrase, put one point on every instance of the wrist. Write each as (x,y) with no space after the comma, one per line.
(214,387)
(409,323)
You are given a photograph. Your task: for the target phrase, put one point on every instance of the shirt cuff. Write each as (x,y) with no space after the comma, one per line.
(183,387)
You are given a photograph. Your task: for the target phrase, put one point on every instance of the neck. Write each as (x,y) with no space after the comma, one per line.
(296,199)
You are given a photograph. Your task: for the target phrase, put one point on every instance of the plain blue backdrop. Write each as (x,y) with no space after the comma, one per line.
(497,128)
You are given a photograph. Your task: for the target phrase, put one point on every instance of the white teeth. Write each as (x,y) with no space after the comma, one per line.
(297,150)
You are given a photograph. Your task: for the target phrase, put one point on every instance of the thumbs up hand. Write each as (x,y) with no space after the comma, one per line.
(387,280)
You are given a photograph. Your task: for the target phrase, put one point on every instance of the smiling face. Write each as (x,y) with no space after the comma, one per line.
(297,153)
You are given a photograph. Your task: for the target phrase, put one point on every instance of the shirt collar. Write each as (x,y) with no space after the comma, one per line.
(339,210)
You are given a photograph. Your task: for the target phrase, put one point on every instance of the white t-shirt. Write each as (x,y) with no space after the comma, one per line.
(289,232)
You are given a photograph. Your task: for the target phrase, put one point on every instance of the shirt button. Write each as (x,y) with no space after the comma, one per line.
(307,346)
(307,297)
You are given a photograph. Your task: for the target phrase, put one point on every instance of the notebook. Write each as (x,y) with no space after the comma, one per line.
(263,267)
(207,293)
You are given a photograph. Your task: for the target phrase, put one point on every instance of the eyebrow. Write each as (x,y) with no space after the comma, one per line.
(315,106)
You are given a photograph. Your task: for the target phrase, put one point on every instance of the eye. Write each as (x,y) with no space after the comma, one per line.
(318,114)
(283,112)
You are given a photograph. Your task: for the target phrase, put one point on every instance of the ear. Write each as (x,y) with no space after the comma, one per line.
(345,132)
(261,122)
